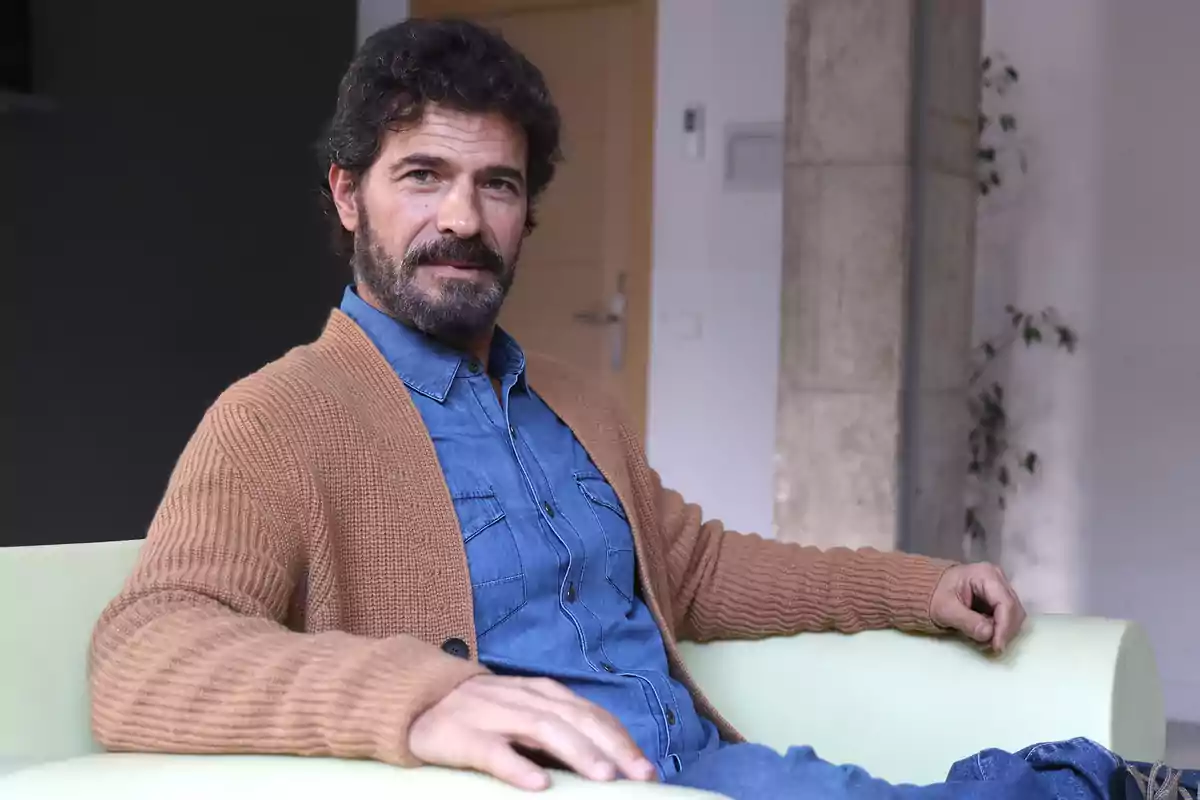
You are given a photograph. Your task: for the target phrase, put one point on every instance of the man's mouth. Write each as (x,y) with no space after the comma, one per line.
(465,270)
(445,267)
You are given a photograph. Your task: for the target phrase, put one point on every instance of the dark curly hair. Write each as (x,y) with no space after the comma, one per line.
(453,63)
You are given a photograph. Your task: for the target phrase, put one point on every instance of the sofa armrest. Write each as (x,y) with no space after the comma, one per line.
(136,776)
(906,707)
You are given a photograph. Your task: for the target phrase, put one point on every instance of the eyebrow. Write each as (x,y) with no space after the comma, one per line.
(425,161)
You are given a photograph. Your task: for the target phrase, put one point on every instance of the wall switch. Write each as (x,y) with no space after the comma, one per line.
(693,132)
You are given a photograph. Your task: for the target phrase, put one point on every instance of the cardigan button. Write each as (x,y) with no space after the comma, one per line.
(456,647)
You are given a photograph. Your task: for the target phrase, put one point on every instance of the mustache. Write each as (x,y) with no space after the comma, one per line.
(454,250)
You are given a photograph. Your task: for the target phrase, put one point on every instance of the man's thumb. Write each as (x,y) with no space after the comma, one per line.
(973,624)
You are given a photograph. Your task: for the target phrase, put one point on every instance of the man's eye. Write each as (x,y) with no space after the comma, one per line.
(420,176)
(501,185)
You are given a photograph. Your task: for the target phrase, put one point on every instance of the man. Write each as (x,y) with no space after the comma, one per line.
(409,541)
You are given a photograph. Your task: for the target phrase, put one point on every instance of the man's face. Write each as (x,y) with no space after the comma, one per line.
(438,221)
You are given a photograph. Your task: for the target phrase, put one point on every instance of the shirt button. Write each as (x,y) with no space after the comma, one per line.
(570,592)
(549,509)
(474,367)
(512,430)
(608,667)
(670,716)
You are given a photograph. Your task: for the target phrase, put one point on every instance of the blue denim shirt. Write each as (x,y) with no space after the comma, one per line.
(548,545)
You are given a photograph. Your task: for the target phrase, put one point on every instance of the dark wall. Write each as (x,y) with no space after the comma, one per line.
(162,237)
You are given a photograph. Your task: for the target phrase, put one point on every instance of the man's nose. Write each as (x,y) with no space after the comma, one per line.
(458,213)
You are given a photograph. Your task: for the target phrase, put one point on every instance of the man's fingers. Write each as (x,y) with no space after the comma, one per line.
(971,624)
(1002,616)
(554,735)
(495,756)
(1007,611)
(604,730)
(485,721)
(611,737)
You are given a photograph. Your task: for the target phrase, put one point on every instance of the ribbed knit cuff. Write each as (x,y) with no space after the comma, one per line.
(910,591)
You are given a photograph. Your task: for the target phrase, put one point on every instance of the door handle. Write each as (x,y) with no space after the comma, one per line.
(597,317)
(613,318)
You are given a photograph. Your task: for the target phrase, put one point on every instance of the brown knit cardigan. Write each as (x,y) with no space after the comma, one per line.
(306,566)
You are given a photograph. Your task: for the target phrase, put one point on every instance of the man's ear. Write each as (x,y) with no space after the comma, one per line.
(342,185)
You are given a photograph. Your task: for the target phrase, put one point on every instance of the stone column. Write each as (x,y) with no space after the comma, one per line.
(879,217)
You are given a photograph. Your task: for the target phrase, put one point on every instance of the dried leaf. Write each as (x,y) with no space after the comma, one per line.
(973,526)
(1067,338)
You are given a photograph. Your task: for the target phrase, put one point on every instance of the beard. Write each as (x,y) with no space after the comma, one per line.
(459,310)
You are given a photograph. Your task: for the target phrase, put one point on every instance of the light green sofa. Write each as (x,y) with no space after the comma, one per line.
(903,706)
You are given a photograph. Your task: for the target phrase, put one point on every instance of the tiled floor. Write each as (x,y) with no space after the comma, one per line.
(1183,745)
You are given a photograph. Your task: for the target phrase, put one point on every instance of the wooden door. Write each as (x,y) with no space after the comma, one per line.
(582,292)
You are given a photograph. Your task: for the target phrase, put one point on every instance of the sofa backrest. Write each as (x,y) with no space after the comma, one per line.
(50,598)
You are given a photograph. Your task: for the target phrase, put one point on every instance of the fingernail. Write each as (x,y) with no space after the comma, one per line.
(538,781)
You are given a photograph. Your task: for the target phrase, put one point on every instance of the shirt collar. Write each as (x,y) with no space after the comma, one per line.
(507,358)
(424,364)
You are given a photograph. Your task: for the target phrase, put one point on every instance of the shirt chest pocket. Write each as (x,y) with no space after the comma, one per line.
(610,518)
(497,578)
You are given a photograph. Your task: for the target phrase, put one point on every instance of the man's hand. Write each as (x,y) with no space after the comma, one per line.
(478,725)
(978,601)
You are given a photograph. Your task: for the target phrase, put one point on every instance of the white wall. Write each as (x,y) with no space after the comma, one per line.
(1142,462)
(1038,246)
(717,263)
(1105,227)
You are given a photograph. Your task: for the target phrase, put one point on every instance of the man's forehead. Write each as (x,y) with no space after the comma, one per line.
(458,135)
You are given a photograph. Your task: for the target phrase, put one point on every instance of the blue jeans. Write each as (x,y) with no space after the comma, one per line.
(1073,770)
